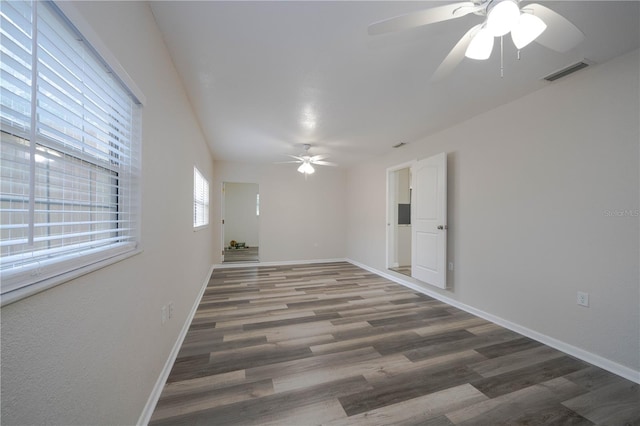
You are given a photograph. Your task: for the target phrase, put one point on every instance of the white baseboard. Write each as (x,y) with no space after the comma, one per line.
(277,263)
(591,358)
(157,388)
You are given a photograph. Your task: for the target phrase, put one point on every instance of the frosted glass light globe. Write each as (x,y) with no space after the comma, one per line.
(528,29)
(503,17)
(481,46)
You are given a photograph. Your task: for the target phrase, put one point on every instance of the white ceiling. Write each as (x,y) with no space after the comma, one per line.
(266,77)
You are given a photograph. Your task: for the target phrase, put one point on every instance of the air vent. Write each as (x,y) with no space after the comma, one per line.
(567,70)
(399,145)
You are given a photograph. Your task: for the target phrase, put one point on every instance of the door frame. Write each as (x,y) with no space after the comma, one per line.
(389,246)
(223,214)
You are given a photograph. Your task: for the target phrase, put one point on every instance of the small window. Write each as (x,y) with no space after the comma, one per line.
(200,199)
(69,156)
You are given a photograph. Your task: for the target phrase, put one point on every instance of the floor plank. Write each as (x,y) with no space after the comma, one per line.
(334,344)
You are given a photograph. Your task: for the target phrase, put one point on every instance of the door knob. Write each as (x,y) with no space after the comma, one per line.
(440,227)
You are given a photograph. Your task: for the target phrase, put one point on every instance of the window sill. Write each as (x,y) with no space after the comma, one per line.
(24,292)
(200,228)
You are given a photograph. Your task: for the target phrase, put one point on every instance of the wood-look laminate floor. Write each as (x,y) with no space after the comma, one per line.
(333,344)
(249,254)
(404,270)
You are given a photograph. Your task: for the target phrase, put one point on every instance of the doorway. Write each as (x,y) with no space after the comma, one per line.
(399,219)
(417,220)
(240,222)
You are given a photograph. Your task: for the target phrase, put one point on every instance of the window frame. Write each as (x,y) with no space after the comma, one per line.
(24,282)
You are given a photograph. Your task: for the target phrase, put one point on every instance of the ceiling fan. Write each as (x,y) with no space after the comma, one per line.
(307,161)
(525,22)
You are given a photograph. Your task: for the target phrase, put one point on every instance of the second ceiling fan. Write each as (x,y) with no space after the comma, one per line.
(307,161)
(525,22)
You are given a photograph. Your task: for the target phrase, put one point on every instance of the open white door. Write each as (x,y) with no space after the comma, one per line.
(429,221)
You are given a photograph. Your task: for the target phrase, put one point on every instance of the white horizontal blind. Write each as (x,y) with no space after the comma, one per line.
(70,150)
(200,199)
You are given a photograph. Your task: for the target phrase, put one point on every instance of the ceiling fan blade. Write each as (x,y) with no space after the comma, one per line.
(423,17)
(288,162)
(296,157)
(561,35)
(456,55)
(324,163)
(318,157)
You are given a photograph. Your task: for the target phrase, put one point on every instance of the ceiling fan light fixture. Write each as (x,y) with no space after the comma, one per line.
(306,168)
(529,27)
(502,17)
(481,45)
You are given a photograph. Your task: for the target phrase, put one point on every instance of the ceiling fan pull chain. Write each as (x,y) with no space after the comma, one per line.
(501,56)
(518,54)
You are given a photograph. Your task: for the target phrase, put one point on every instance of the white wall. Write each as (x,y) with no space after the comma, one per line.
(404,244)
(89,351)
(530,184)
(240,219)
(404,186)
(299,219)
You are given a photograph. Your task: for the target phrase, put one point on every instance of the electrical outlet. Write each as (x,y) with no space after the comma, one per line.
(163,317)
(583,299)
(451,266)
(170,310)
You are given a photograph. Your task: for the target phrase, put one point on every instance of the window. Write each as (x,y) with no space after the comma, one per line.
(69,155)
(200,199)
